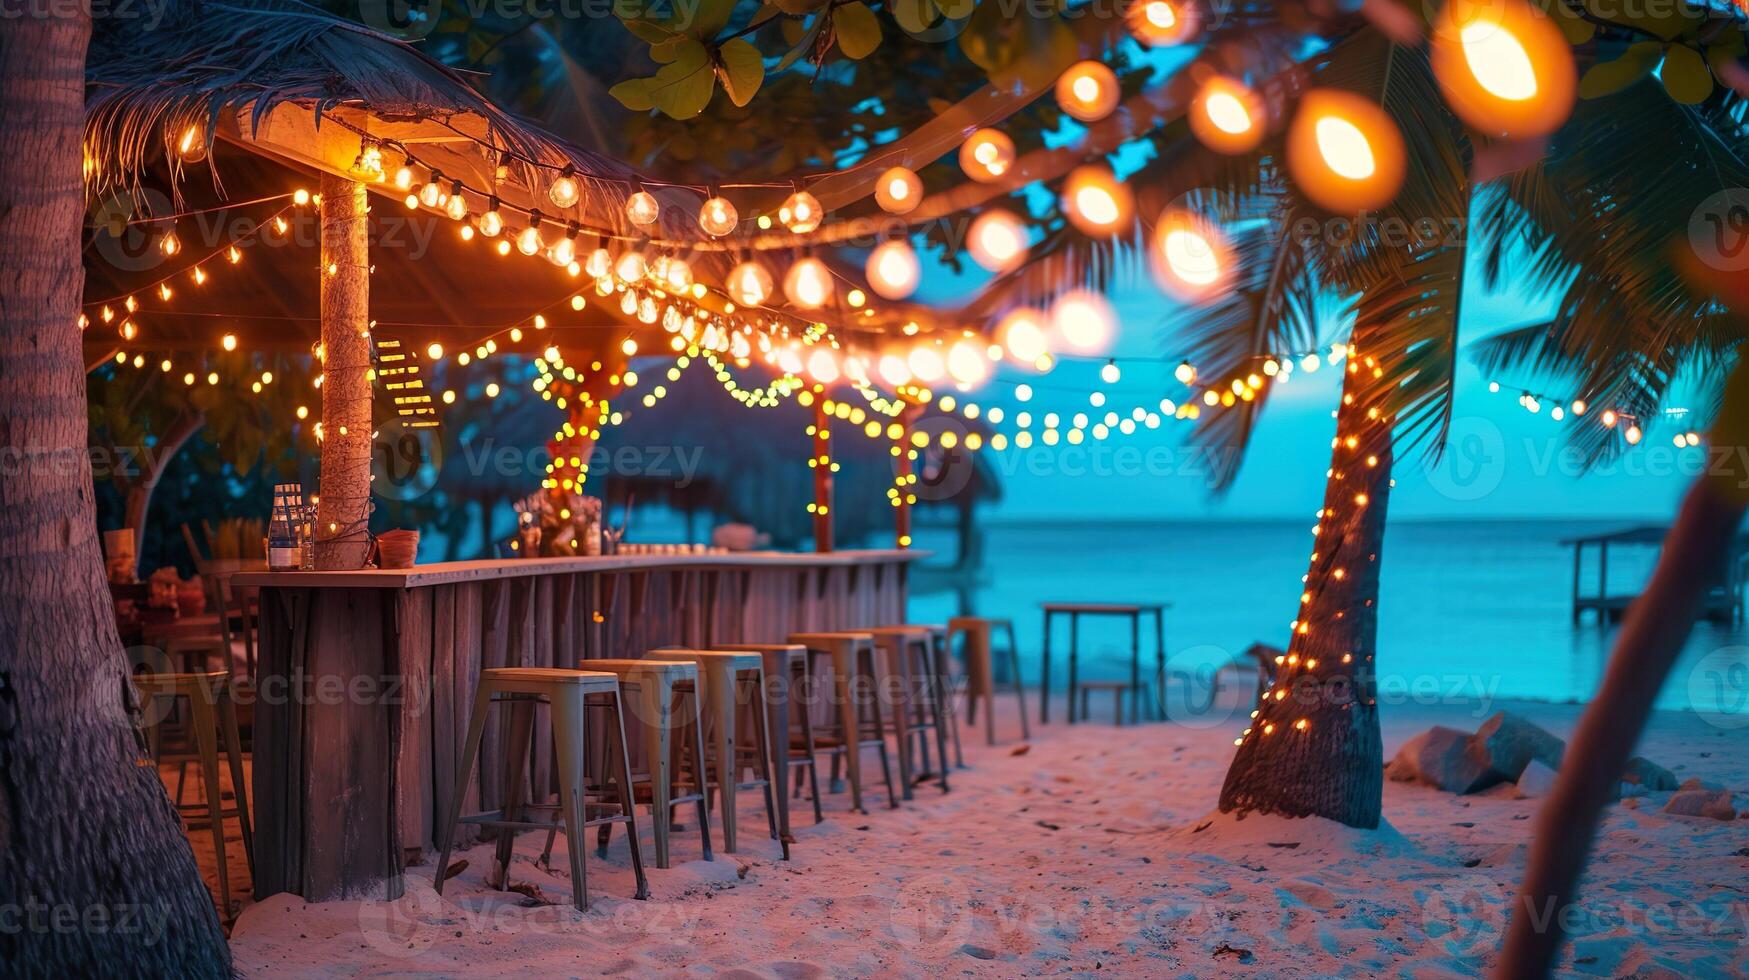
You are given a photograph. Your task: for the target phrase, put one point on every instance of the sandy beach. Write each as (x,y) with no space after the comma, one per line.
(1085,851)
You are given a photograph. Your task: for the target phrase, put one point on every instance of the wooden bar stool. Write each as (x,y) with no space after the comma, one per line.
(1139,689)
(978,650)
(209,707)
(1117,688)
(789,714)
(569,693)
(664,693)
(739,722)
(851,659)
(950,686)
(909,652)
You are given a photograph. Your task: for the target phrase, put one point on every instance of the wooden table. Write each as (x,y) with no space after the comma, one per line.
(367,678)
(1131,610)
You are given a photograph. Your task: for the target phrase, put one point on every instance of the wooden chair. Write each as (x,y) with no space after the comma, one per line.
(569,693)
(850,659)
(977,650)
(210,711)
(665,695)
(739,723)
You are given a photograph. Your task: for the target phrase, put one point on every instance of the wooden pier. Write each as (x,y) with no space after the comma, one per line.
(1724,600)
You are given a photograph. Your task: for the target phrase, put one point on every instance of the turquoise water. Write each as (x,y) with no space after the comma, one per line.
(1467,609)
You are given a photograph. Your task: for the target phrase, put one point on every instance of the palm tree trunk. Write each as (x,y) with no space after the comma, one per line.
(1657,625)
(1313,748)
(343,514)
(137,492)
(91,852)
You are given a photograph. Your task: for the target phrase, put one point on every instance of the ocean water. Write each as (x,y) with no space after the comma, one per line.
(1467,609)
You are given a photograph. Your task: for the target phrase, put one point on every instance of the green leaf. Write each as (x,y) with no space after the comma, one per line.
(914,16)
(1686,76)
(634,94)
(741,69)
(676,48)
(857,30)
(1610,77)
(709,17)
(683,87)
(647,31)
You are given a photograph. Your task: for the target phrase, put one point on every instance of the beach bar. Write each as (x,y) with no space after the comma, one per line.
(367,678)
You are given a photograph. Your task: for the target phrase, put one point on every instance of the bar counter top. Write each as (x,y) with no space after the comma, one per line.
(451,572)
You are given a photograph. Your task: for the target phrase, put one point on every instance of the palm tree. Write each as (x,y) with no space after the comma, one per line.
(1598,213)
(90,836)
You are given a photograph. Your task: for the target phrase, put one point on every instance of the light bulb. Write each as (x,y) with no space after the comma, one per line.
(748,284)
(1096,202)
(1609,418)
(170,244)
(966,363)
(528,241)
(1226,116)
(808,284)
(925,363)
(564,191)
(191,145)
(823,366)
(1160,22)
(491,223)
(599,264)
(1088,91)
(1023,334)
(986,155)
(1185,373)
(678,275)
(630,268)
(456,207)
(404,179)
(1344,152)
(1083,322)
(998,240)
(892,269)
(642,209)
(801,212)
(1190,257)
(893,370)
(717,216)
(563,252)
(1633,435)
(1504,67)
(1110,373)
(431,195)
(899,190)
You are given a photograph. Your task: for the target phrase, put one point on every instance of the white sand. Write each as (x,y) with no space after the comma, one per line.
(1094,853)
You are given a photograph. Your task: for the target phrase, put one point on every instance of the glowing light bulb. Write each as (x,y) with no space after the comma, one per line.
(678,275)
(1083,322)
(642,209)
(1609,418)
(528,241)
(893,270)
(986,155)
(1023,334)
(823,366)
(434,351)
(717,216)
(563,252)
(169,244)
(801,212)
(1498,61)
(456,207)
(404,178)
(228,341)
(564,191)
(1344,152)
(630,268)
(808,284)
(998,240)
(1579,406)
(1190,256)
(1185,373)
(491,223)
(966,363)
(893,370)
(1633,435)
(1504,67)
(1096,202)
(1161,22)
(899,190)
(1088,90)
(431,195)
(925,363)
(748,284)
(1226,116)
(1110,373)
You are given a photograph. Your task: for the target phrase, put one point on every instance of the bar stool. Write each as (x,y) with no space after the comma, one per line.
(210,706)
(851,657)
(739,722)
(949,685)
(1132,611)
(1117,689)
(791,715)
(655,687)
(978,650)
(909,652)
(568,693)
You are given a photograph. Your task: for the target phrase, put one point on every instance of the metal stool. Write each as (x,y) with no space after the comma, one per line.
(658,688)
(739,721)
(1133,611)
(852,665)
(979,654)
(1117,688)
(569,694)
(790,715)
(910,658)
(209,707)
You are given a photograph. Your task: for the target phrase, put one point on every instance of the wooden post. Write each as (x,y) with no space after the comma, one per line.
(1578,565)
(342,516)
(822,477)
(903,469)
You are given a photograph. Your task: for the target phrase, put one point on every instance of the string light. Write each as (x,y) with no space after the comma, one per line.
(1190,256)
(893,270)
(1088,91)
(1344,152)
(1097,202)
(642,209)
(717,216)
(801,212)
(1226,116)
(1083,322)
(998,240)
(1504,67)
(1158,23)
(1023,335)
(986,155)
(899,190)
(808,284)
(748,284)
(564,192)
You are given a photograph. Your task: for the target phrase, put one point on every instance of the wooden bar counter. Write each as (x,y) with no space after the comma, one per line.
(366,679)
